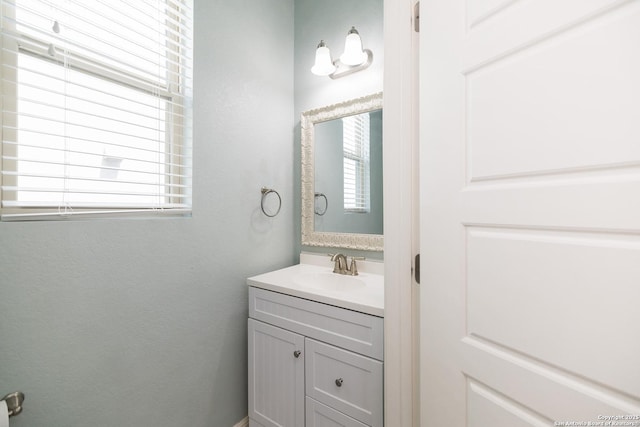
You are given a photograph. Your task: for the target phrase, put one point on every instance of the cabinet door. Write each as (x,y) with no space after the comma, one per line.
(276,376)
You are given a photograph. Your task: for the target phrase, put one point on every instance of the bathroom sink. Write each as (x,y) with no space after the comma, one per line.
(329,281)
(313,279)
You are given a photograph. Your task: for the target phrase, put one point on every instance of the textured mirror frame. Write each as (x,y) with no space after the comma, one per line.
(310,237)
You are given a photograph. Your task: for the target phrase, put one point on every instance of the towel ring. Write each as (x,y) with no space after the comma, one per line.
(326,204)
(265,191)
(14,402)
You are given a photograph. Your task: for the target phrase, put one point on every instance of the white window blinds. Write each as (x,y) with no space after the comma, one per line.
(96,107)
(356,163)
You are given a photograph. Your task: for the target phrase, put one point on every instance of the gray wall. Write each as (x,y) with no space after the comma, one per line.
(143,322)
(330,20)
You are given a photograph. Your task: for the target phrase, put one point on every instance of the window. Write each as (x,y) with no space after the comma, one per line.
(96,107)
(356,163)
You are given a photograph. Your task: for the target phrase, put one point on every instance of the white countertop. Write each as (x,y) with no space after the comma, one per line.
(367,296)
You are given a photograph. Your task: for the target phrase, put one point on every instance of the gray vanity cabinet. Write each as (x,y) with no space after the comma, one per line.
(313,364)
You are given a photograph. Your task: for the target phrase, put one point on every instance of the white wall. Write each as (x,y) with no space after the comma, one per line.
(143,322)
(330,20)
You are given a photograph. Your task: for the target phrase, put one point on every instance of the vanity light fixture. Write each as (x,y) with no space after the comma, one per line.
(352,60)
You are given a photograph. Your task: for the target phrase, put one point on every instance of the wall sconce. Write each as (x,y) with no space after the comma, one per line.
(352,60)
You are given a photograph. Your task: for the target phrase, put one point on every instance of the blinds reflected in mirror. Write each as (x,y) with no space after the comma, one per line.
(356,163)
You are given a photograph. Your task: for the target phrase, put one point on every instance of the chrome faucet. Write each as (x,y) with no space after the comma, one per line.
(341,267)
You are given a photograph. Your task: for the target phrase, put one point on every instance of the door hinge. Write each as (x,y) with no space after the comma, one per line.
(416,268)
(416,17)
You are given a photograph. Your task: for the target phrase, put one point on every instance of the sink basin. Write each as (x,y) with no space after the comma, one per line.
(314,280)
(328,281)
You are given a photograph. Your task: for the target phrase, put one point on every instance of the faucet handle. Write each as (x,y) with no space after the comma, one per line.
(353,269)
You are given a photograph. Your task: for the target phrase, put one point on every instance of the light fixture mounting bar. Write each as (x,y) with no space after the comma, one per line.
(344,70)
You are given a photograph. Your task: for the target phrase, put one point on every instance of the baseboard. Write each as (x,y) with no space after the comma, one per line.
(243,423)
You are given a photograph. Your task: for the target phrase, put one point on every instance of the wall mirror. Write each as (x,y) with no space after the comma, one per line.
(342,200)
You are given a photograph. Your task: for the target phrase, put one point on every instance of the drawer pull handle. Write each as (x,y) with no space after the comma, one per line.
(339,382)
(297,353)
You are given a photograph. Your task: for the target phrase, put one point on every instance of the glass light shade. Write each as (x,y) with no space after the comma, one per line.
(353,54)
(324,65)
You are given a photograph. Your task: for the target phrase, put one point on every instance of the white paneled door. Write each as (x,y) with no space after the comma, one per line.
(530,213)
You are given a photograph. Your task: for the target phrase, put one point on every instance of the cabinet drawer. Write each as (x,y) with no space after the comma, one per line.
(348,329)
(345,381)
(319,415)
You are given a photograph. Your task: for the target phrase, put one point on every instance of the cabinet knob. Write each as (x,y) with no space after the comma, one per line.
(339,382)
(297,353)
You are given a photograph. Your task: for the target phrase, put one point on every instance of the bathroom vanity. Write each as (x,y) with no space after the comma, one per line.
(316,347)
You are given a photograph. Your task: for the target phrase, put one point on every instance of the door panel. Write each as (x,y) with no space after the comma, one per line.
(567,314)
(541,388)
(567,103)
(487,407)
(530,211)
(515,26)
